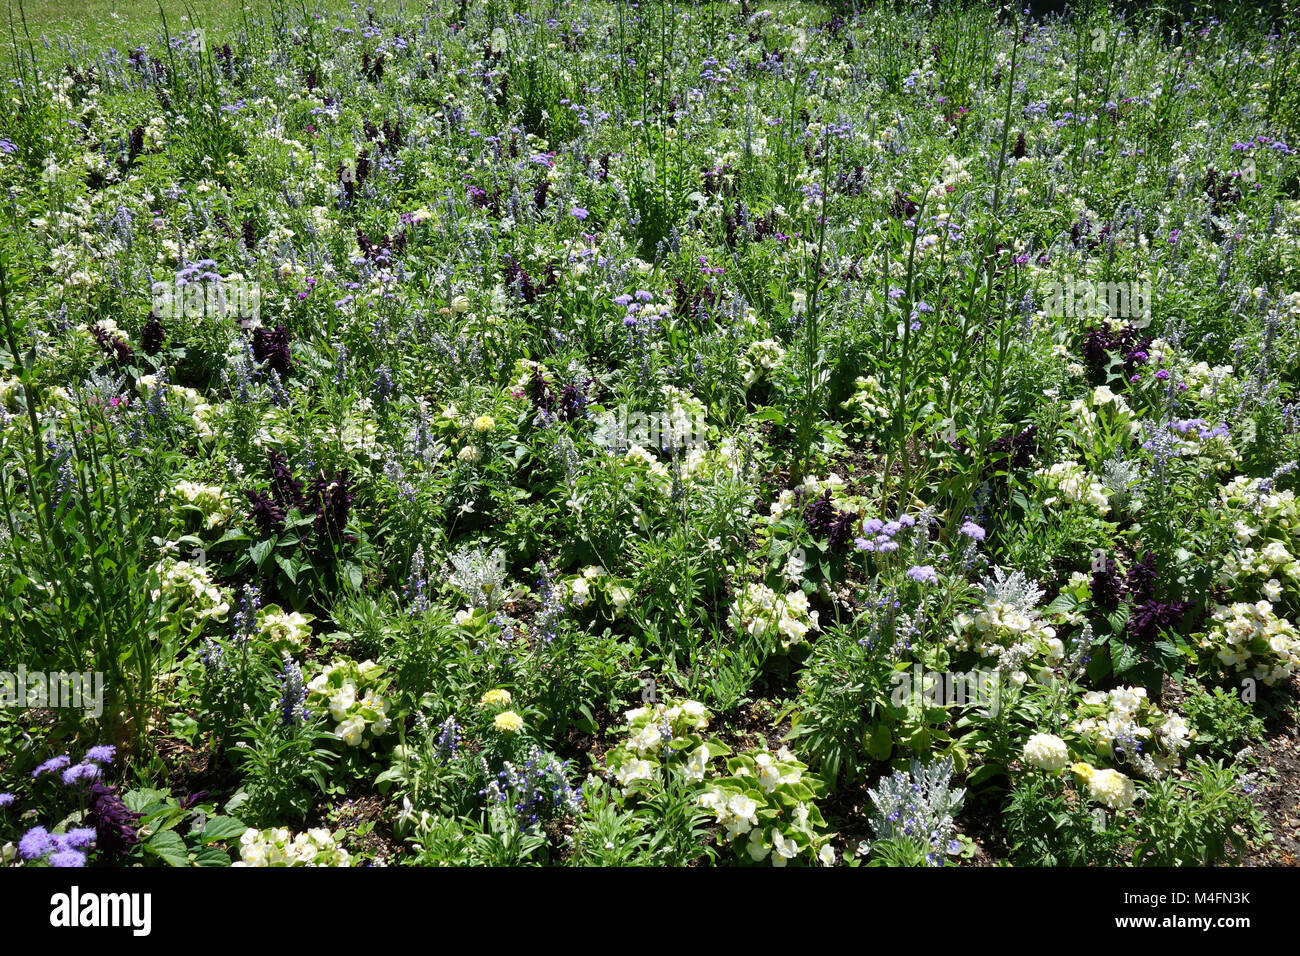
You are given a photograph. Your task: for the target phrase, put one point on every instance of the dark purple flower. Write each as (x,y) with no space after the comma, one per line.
(266,513)
(191,799)
(330,500)
(819,515)
(538,392)
(573,401)
(841,531)
(272,347)
(284,486)
(1148,620)
(1106,586)
(518,279)
(1100,342)
(152,335)
(113,347)
(1141,582)
(114,824)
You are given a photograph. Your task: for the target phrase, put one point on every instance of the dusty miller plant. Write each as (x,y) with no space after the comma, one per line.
(917,806)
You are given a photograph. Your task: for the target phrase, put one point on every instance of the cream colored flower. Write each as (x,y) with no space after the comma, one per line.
(495,698)
(508,722)
(1047,752)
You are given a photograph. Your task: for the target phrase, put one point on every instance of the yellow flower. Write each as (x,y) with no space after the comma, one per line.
(508,721)
(1083,771)
(484,423)
(495,698)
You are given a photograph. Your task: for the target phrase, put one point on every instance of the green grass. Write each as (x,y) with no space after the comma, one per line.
(52,23)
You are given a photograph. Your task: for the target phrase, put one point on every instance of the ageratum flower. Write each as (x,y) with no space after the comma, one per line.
(35,843)
(80,773)
(923,574)
(53,765)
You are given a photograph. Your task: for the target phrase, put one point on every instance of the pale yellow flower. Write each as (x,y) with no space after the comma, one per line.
(508,722)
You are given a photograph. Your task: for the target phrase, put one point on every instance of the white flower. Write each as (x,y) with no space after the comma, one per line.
(342,702)
(647,739)
(1112,788)
(714,800)
(1047,752)
(743,807)
(783,848)
(769,777)
(634,769)
(1126,700)
(826,854)
(697,764)
(580,592)
(351,731)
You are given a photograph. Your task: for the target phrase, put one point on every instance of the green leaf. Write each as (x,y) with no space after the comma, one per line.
(768,414)
(169,847)
(881,742)
(1122,656)
(259,551)
(288,567)
(221,828)
(137,800)
(212,856)
(984,772)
